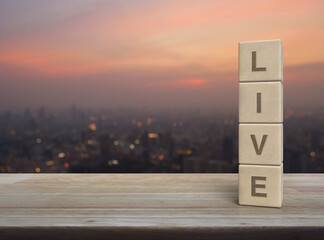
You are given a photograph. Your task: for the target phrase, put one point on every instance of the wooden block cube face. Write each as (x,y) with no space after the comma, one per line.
(261,102)
(260,185)
(260,61)
(261,144)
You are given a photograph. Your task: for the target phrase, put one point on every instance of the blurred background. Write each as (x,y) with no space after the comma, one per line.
(92,86)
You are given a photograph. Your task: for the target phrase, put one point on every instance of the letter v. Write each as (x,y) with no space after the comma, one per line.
(258,150)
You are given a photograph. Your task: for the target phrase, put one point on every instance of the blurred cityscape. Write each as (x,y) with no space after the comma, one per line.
(143,141)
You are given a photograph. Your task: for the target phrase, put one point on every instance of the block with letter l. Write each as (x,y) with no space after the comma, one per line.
(260,61)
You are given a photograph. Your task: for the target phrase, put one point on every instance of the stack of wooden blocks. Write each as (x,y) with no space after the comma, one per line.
(261,123)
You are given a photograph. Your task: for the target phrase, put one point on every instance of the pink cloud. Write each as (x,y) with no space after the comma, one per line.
(182,83)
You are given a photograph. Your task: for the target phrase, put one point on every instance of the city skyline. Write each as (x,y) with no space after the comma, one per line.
(126,140)
(158,54)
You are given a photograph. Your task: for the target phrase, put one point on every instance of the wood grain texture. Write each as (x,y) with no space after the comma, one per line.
(156,206)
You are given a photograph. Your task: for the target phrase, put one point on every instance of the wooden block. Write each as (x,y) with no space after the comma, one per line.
(261,102)
(260,61)
(260,185)
(261,144)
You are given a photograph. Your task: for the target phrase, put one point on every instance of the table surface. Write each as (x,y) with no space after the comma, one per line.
(152,201)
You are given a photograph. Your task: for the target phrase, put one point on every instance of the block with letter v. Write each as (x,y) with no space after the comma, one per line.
(261,144)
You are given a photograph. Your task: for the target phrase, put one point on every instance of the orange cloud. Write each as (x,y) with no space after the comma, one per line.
(58,64)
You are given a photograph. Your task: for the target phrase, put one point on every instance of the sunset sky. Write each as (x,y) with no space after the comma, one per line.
(151,53)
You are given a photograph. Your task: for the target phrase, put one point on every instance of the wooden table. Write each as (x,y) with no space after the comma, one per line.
(154,206)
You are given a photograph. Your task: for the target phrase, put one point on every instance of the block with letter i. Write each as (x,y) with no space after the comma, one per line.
(261,123)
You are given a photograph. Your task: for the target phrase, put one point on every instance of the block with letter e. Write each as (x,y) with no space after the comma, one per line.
(260,185)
